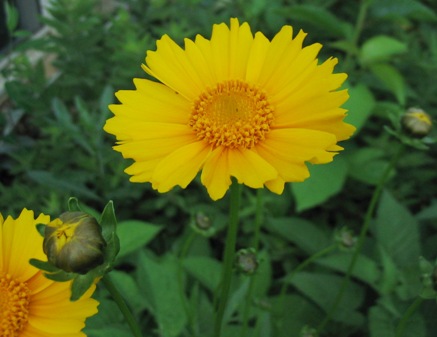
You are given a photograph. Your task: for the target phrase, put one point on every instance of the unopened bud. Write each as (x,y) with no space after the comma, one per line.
(417,122)
(246,261)
(74,242)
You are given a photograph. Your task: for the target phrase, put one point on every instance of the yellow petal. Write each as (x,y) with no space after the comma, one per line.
(180,167)
(215,174)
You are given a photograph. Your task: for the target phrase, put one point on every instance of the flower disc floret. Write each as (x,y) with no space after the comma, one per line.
(233,114)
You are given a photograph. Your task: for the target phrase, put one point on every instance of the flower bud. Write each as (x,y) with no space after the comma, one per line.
(74,242)
(203,224)
(246,261)
(417,122)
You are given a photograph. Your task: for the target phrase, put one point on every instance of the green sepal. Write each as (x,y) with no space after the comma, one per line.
(73,205)
(41,228)
(108,221)
(43,265)
(81,284)
(60,276)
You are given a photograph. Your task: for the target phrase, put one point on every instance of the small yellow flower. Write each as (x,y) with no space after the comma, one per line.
(417,122)
(237,105)
(74,242)
(30,304)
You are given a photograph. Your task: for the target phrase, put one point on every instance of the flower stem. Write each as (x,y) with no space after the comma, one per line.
(259,212)
(404,320)
(229,255)
(362,237)
(122,306)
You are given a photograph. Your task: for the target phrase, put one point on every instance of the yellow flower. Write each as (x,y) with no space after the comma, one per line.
(237,105)
(30,304)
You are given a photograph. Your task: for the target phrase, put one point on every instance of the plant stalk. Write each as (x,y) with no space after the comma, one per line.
(229,255)
(122,306)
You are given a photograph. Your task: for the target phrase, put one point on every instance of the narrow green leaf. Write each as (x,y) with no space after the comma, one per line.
(399,9)
(326,181)
(60,276)
(64,185)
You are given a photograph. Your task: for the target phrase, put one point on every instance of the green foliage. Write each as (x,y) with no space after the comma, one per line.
(52,146)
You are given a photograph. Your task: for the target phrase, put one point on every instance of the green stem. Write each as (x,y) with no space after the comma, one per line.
(404,320)
(229,255)
(259,212)
(362,236)
(122,306)
(357,32)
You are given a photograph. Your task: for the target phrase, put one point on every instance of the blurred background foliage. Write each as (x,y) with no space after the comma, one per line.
(52,146)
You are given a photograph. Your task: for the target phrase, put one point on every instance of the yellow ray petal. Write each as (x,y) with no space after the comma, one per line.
(180,167)
(249,168)
(215,174)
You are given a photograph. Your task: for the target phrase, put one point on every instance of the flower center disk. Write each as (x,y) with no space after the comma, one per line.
(14,303)
(232,114)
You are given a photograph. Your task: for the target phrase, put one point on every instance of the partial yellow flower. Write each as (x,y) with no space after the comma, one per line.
(30,304)
(237,105)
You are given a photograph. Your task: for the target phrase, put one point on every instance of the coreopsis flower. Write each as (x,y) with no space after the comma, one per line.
(237,105)
(30,304)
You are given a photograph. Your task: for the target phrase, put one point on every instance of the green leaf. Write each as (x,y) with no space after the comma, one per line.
(397,232)
(205,269)
(399,9)
(367,164)
(320,18)
(127,286)
(60,276)
(381,323)
(135,234)
(304,234)
(315,285)
(391,78)
(359,105)
(49,181)
(159,283)
(381,48)
(11,14)
(365,269)
(325,181)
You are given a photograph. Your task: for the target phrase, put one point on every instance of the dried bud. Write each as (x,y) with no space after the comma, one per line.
(203,224)
(74,242)
(417,122)
(202,221)
(246,261)
(346,238)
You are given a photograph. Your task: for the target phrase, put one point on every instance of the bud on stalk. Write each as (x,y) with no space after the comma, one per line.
(74,242)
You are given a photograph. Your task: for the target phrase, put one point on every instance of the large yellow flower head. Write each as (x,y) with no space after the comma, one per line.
(30,304)
(237,105)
